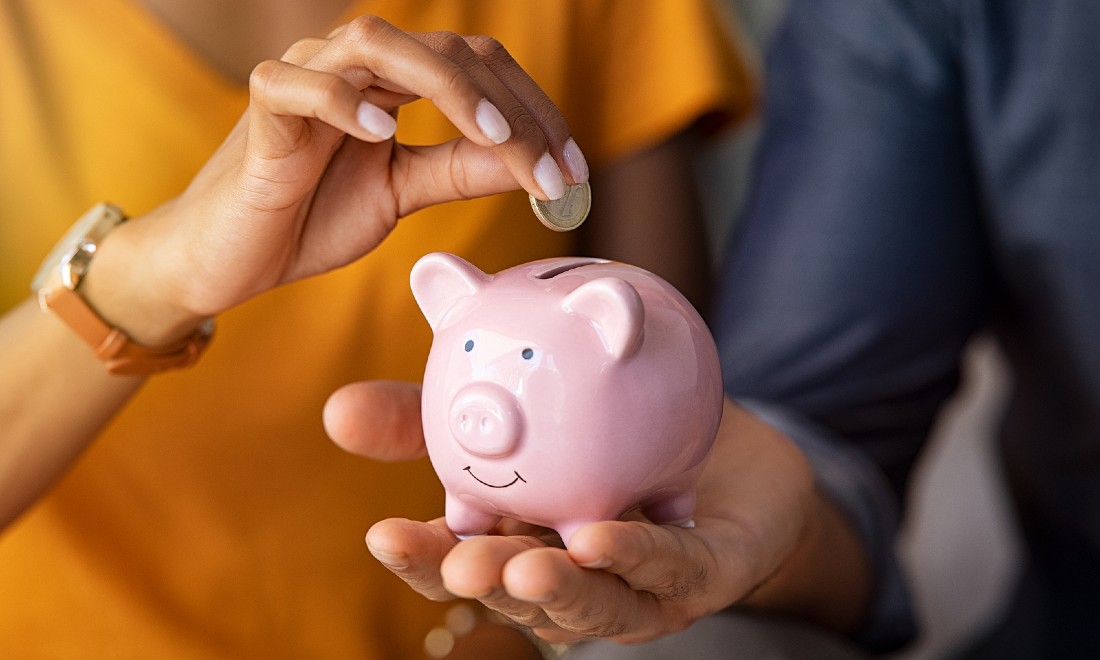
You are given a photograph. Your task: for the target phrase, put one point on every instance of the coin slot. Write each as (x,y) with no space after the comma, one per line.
(566,267)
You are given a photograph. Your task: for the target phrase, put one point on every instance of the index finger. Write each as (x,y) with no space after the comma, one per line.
(541,108)
(539,129)
(444,69)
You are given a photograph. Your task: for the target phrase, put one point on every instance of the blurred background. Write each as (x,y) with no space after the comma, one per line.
(958,543)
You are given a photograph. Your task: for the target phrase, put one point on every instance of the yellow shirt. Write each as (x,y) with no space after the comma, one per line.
(213,518)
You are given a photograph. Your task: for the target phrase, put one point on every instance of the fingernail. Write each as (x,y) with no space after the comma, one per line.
(391,560)
(376,120)
(491,122)
(539,599)
(549,178)
(574,160)
(602,562)
(494,593)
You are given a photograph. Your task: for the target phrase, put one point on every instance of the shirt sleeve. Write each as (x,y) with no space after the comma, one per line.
(858,271)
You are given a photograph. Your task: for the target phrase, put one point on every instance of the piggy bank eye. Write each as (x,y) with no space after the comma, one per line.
(527,354)
(469,345)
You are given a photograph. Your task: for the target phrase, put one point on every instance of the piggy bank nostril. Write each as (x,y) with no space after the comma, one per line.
(486,420)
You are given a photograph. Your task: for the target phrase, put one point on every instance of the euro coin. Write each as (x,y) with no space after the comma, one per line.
(566,213)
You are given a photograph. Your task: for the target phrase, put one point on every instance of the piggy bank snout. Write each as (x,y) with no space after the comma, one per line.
(486,419)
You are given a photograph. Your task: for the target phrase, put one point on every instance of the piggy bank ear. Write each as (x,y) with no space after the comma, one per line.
(615,310)
(439,280)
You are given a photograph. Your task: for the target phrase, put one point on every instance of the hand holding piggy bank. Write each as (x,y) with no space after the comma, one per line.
(563,392)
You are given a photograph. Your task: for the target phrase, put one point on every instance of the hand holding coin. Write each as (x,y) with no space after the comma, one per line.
(566,213)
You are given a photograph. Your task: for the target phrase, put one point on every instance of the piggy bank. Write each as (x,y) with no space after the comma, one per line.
(563,392)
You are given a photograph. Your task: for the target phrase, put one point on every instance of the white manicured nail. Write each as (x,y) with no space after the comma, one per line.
(492,123)
(376,120)
(549,177)
(575,161)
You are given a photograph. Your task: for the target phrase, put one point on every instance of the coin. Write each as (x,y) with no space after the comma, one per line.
(566,213)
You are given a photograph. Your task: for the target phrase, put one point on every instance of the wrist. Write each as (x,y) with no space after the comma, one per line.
(120,287)
(826,578)
(130,286)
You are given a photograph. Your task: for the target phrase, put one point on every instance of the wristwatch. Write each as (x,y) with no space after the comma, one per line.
(57,285)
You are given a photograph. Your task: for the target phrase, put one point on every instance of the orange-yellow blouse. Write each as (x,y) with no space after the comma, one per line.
(213,518)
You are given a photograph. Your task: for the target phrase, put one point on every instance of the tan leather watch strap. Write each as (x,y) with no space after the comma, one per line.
(114,347)
(57,284)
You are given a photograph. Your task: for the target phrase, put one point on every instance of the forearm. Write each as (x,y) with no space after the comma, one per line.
(55,396)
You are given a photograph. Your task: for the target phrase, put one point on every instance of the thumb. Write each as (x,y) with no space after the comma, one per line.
(458,169)
(376,419)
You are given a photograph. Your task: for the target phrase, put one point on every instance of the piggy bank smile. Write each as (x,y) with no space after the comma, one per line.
(486,483)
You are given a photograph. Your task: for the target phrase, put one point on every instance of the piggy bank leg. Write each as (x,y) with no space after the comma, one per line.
(671,509)
(465,520)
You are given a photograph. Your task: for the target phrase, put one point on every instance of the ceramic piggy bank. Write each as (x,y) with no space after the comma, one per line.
(563,392)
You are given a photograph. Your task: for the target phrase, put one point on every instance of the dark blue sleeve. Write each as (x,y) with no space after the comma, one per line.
(858,271)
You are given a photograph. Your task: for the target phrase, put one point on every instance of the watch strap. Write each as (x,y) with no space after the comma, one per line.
(113,346)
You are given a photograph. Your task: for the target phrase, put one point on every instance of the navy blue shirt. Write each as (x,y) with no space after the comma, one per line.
(929,170)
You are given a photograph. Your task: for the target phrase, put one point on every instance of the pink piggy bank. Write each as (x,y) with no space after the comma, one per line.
(563,392)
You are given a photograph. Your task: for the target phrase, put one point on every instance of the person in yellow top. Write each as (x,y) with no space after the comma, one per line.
(202,512)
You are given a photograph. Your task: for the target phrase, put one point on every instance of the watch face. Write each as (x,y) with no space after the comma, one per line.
(90,228)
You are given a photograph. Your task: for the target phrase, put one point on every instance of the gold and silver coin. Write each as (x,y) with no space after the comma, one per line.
(566,213)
